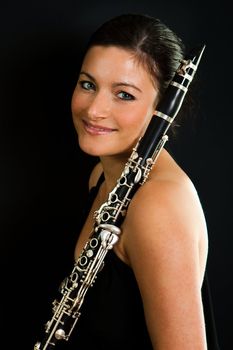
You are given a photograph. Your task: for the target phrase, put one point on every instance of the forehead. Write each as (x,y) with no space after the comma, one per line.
(116,62)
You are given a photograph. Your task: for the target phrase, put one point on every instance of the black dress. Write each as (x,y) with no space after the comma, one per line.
(112,316)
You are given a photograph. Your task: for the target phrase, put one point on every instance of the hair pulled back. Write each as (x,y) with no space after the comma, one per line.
(150,40)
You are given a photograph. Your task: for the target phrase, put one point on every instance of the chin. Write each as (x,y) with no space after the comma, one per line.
(104,151)
(91,149)
(101,147)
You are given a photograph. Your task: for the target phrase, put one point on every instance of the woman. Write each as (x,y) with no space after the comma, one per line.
(148,295)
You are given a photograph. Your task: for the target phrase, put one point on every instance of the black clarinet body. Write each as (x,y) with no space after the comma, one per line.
(170,104)
(109,217)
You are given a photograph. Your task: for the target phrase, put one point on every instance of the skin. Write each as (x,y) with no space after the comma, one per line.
(165,225)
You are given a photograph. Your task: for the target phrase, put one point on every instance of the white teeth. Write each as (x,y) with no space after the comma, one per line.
(97,129)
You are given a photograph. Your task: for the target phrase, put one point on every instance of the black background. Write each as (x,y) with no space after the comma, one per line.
(43,173)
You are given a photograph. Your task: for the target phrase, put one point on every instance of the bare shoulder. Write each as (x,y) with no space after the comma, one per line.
(95,174)
(166,214)
(169,193)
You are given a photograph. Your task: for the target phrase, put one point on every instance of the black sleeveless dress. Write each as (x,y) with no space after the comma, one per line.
(112,316)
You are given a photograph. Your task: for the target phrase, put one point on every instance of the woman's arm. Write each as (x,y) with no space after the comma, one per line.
(166,244)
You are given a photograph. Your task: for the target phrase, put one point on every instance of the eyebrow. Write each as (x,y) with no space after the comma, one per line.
(124,83)
(88,75)
(120,83)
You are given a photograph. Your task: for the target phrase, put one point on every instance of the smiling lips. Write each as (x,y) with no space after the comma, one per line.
(96,129)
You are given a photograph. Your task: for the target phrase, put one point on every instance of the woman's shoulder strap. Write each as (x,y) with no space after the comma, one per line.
(95,175)
(100,181)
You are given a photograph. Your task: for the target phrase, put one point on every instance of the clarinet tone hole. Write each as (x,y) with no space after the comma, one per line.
(83,260)
(113,198)
(74,277)
(93,243)
(123,180)
(105,216)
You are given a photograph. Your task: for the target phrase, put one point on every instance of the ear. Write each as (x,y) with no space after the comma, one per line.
(156,101)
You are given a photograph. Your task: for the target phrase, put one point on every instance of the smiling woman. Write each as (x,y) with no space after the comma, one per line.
(149,293)
(116,102)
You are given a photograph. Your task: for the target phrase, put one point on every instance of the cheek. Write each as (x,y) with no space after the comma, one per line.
(137,118)
(77,103)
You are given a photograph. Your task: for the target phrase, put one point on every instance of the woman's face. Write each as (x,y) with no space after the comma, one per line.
(113,101)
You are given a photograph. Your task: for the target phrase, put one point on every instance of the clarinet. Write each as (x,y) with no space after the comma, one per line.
(109,217)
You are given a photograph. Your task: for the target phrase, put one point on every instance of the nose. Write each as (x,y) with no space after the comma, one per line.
(100,106)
